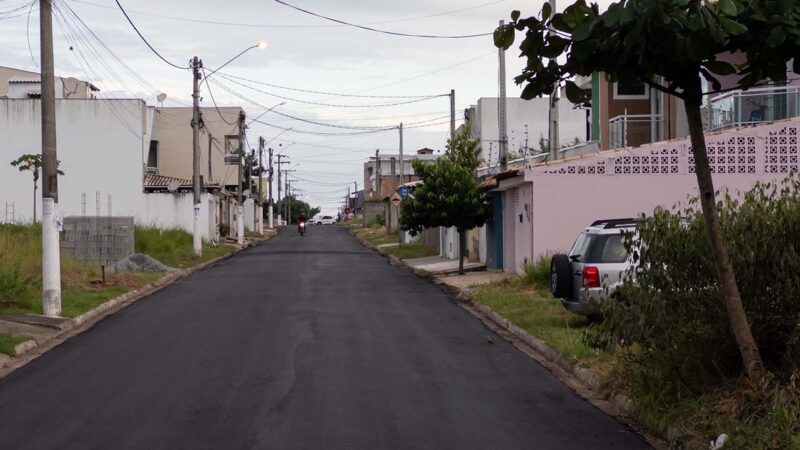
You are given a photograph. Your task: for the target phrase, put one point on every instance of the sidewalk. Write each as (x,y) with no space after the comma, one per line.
(437,265)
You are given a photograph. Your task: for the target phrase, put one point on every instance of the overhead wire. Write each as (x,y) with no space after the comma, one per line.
(393,33)
(130,21)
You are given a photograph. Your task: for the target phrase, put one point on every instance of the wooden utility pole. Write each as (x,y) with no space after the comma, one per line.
(270,221)
(260,217)
(196,235)
(51,222)
(378,173)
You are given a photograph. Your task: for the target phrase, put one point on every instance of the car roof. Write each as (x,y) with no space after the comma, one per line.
(612,226)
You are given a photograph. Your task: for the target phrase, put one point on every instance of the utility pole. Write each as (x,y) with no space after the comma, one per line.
(552,128)
(196,235)
(501,110)
(526,145)
(378,173)
(240,209)
(51,252)
(270,222)
(452,113)
(280,213)
(392,209)
(355,202)
(210,141)
(402,166)
(259,209)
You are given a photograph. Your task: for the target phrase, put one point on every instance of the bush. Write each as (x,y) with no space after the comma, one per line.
(378,221)
(671,324)
(224,230)
(538,274)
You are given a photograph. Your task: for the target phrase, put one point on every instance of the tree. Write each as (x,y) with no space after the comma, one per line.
(298,208)
(669,45)
(33,164)
(449,194)
(544,144)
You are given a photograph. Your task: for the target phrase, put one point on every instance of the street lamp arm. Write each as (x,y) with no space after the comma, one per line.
(259,45)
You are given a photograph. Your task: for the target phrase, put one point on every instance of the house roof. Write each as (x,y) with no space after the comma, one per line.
(162,182)
(24,80)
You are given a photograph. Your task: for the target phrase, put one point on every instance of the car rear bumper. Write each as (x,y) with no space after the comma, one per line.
(576,306)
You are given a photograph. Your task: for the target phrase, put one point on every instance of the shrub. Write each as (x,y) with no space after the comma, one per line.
(671,324)
(538,274)
(224,230)
(378,221)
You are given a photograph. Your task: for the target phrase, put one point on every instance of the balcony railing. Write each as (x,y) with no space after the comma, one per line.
(633,129)
(754,105)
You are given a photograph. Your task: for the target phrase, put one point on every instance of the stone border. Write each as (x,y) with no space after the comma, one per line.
(29,350)
(588,385)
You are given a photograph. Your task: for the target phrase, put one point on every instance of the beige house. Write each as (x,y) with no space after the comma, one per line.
(19,84)
(170,152)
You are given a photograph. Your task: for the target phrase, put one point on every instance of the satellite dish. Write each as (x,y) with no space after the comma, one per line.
(246,192)
(161,97)
(173,186)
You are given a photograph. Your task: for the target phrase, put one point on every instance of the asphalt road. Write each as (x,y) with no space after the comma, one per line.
(303,342)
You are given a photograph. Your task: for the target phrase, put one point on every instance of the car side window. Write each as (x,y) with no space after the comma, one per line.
(614,250)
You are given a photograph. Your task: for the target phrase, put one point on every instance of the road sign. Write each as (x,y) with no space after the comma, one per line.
(404,192)
(396,200)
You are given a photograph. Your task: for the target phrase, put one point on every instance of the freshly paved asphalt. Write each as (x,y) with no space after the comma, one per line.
(302,342)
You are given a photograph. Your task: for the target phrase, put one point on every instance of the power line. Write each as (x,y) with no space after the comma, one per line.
(145,40)
(335,94)
(393,33)
(259,25)
(416,100)
(213,100)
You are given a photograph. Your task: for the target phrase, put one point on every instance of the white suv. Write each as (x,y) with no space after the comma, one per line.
(594,268)
(327,220)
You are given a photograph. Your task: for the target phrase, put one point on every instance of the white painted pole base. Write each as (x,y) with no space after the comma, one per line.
(240,225)
(269,217)
(260,221)
(197,238)
(51,259)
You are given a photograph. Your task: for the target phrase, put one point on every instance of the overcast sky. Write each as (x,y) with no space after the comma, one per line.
(304,52)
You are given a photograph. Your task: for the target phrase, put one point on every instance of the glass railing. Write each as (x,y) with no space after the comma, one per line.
(633,130)
(754,105)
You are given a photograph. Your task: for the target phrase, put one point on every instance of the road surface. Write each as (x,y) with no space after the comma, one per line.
(309,342)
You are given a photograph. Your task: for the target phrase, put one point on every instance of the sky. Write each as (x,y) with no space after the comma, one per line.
(304,53)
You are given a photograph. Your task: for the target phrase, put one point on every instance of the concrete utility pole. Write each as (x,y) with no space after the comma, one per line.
(280,213)
(210,141)
(501,111)
(51,222)
(240,209)
(552,128)
(260,207)
(402,165)
(452,113)
(196,235)
(392,209)
(378,173)
(270,222)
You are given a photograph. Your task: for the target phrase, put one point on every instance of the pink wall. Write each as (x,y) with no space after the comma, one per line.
(568,196)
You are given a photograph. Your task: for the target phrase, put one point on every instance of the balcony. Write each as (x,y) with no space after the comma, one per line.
(634,130)
(754,105)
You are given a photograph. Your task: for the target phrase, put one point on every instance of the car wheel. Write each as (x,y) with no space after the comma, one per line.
(560,276)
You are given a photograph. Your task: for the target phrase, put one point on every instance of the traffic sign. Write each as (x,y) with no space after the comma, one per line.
(404,192)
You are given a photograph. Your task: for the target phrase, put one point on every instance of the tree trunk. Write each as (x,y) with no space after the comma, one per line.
(462,248)
(34,203)
(751,357)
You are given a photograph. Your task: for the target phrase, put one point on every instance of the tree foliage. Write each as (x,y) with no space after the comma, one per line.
(298,207)
(449,194)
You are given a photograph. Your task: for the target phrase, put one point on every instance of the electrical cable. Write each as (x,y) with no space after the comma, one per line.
(393,33)
(28,35)
(145,40)
(214,101)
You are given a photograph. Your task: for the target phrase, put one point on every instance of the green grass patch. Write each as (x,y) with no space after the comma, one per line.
(543,316)
(538,274)
(174,247)
(8,342)
(412,250)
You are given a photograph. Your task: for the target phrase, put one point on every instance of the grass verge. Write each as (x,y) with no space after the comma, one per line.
(541,315)
(376,236)
(174,247)
(412,250)
(8,342)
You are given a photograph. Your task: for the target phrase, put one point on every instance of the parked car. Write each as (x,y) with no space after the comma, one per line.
(594,268)
(327,220)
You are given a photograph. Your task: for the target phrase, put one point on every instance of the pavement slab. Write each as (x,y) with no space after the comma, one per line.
(302,342)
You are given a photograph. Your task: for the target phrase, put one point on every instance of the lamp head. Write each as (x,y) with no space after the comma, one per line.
(261,45)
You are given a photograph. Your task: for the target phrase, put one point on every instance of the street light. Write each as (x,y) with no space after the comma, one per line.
(196,65)
(263,113)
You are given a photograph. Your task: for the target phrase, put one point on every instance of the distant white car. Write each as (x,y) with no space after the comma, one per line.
(326,220)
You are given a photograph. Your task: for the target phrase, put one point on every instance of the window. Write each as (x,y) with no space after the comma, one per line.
(631,91)
(152,157)
(599,248)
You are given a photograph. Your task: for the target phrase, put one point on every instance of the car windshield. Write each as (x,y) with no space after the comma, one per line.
(327,218)
(599,248)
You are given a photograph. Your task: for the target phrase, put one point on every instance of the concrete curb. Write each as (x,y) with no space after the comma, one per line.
(29,350)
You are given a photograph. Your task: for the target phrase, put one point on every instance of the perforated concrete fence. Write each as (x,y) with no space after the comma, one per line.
(98,239)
